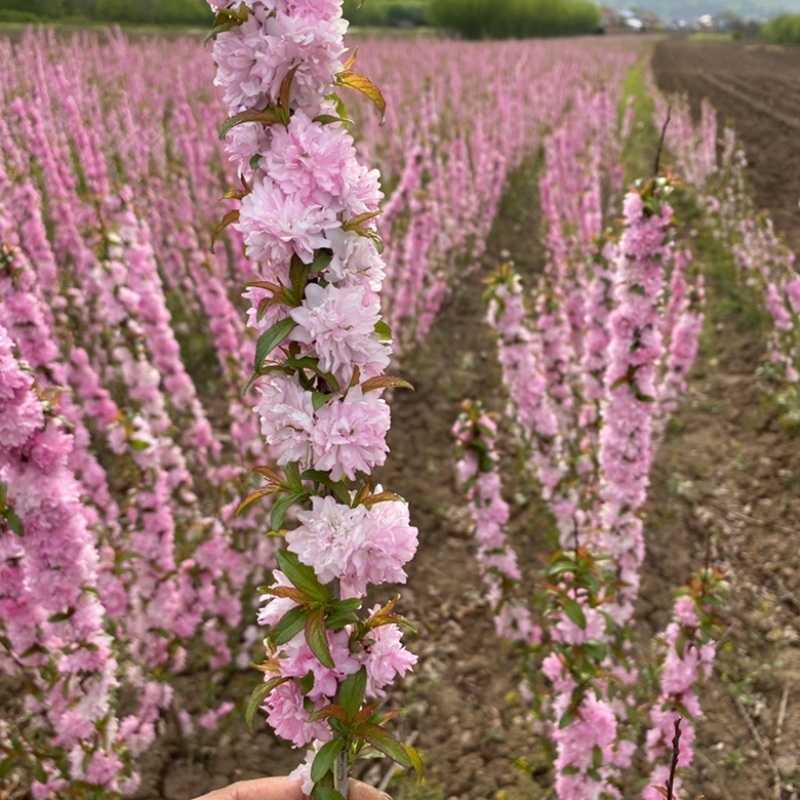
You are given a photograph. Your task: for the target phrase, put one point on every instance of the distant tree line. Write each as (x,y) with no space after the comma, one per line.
(191,12)
(386,13)
(471,19)
(518,19)
(784,29)
(143,12)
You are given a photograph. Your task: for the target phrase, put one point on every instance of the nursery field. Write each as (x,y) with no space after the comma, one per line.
(507,173)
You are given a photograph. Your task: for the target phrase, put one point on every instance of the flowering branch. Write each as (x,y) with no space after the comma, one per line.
(307,217)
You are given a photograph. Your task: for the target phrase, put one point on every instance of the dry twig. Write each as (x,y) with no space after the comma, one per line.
(761,746)
(781,713)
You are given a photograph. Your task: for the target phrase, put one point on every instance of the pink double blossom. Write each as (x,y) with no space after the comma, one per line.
(358,546)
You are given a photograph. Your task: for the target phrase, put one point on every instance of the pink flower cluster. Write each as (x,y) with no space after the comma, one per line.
(50,615)
(636,347)
(306,219)
(689,659)
(356,546)
(345,436)
(478,474)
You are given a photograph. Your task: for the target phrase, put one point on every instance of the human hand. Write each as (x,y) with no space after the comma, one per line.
(284,788)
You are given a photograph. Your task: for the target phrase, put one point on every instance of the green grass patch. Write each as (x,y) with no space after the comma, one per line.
(728,300)
(711,37)
(640,148)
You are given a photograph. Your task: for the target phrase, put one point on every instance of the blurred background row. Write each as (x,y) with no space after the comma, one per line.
(776,21)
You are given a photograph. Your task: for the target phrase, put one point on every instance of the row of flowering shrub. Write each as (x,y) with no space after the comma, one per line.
(594,358)
(714,164)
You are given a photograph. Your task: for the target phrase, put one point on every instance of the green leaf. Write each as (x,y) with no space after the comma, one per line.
(318,399)
(257,698)
(34,649)
(267,116)
(280,508)
(567,718)
(250,381)
(570,770)
(226,19)
(325,793)
(382,497)
(289,625)
(39,771)
(228,219)
(327,119)
(302,576)
(137,445)
(351,692)
(383,330)
(382,740)
(271,338)
(342,613)
(329,712)
(626,378)
(337,487)
(377,241)
(597,757)
(322,258)
(384,382)
(251,498)
(325,758)
(337,101)
(14,523)
(292,472)
(306,683)
(298,276)
(415,758)
(62,616)
(560,567)
(317,637)
(366,87)
(572,608)
(641,396)
(220,28)
(305,362)
(284,94)
(6,765)
(597,651)
(356,223)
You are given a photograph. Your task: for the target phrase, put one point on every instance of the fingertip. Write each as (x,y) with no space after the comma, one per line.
(281,787)
(363,791)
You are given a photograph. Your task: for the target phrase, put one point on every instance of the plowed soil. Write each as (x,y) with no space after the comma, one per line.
(756,87)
